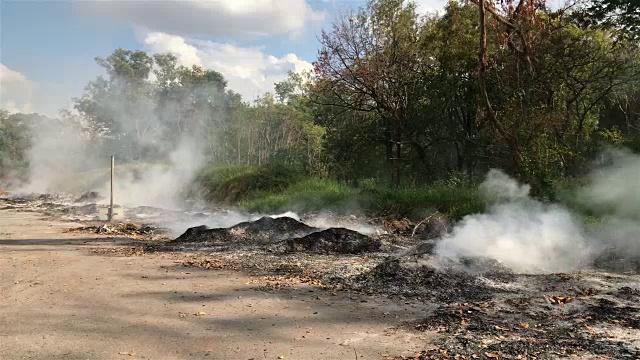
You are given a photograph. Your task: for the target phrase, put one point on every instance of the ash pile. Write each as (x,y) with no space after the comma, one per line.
(275,235)
(63,206)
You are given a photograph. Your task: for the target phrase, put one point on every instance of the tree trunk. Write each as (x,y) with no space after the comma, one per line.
(509,138)
(398,163)
(389,152)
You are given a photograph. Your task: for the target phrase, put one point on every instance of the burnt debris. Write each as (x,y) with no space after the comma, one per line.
(281,234)
(413,276)
(265,230)
(89,197)
(334,241)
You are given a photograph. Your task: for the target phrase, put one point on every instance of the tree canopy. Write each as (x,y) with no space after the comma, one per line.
(394,96)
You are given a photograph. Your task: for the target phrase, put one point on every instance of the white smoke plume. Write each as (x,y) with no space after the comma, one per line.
(153,161)
(614,186)
(613,193)
(57,152)
(159,185)
(518,231)
(327,220)
(529,236)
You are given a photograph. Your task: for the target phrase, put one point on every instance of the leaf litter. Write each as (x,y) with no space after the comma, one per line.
(481,310)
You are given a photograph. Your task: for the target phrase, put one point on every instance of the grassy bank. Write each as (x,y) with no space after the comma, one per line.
(277,189)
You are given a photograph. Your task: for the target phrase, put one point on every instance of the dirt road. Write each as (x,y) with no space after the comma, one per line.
(58,300)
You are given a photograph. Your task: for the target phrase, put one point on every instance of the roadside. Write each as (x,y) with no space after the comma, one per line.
(61,300)
(329,294)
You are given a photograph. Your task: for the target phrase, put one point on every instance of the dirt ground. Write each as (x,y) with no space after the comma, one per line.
(59,299)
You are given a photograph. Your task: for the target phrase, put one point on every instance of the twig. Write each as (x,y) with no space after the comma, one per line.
(422,222)
(355,352)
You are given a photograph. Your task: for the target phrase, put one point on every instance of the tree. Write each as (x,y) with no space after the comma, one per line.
(451,90)
(619,14)
(369,63)
(14,142)
(122,104)
(543,80)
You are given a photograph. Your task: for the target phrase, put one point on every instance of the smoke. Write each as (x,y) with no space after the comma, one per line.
(325,221)
(57,151)
(613,185)
(529,236)
(159,144)
(158,185)
(522,233)
(613,193)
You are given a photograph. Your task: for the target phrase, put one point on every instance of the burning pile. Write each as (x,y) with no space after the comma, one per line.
(262,231)
(333,241)
(122,229)
(89,197)
(280,234)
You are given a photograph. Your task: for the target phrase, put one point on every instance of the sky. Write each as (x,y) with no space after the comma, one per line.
(47,48)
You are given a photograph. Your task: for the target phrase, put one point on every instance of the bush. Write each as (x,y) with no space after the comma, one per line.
(453,200)
(306,195)
(278,188)
(231,183)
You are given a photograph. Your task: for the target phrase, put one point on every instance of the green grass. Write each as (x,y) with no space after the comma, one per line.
(456,201)
(305,195)
(278,188)
(232,183)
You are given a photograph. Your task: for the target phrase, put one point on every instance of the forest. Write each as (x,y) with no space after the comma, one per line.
(397,101)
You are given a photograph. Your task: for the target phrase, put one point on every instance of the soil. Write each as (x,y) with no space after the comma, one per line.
(67,295)
(432,308)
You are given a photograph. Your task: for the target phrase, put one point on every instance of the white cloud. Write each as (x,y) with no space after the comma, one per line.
(161,42)
(15,91)
(247,18)
(430,6)
(248,70)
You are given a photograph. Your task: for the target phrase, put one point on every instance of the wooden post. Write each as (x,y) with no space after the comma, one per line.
(113,164)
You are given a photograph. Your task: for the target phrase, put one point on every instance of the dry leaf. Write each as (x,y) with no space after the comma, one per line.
(492,355)
(560,300)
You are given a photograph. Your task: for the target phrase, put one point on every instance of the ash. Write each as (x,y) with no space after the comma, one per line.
(474,308)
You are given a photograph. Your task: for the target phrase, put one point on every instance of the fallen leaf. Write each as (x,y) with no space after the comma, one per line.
(560,300)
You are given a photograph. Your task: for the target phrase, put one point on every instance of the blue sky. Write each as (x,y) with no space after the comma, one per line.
(47,47)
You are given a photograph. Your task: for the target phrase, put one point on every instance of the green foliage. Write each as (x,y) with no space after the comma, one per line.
(274,189)
(394,99)
(319,195)
(15,140)
(305,195)
(455,201)
(620,14)
(231,183)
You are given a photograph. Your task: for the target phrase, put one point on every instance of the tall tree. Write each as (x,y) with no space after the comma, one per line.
(620,14)
(369,63)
